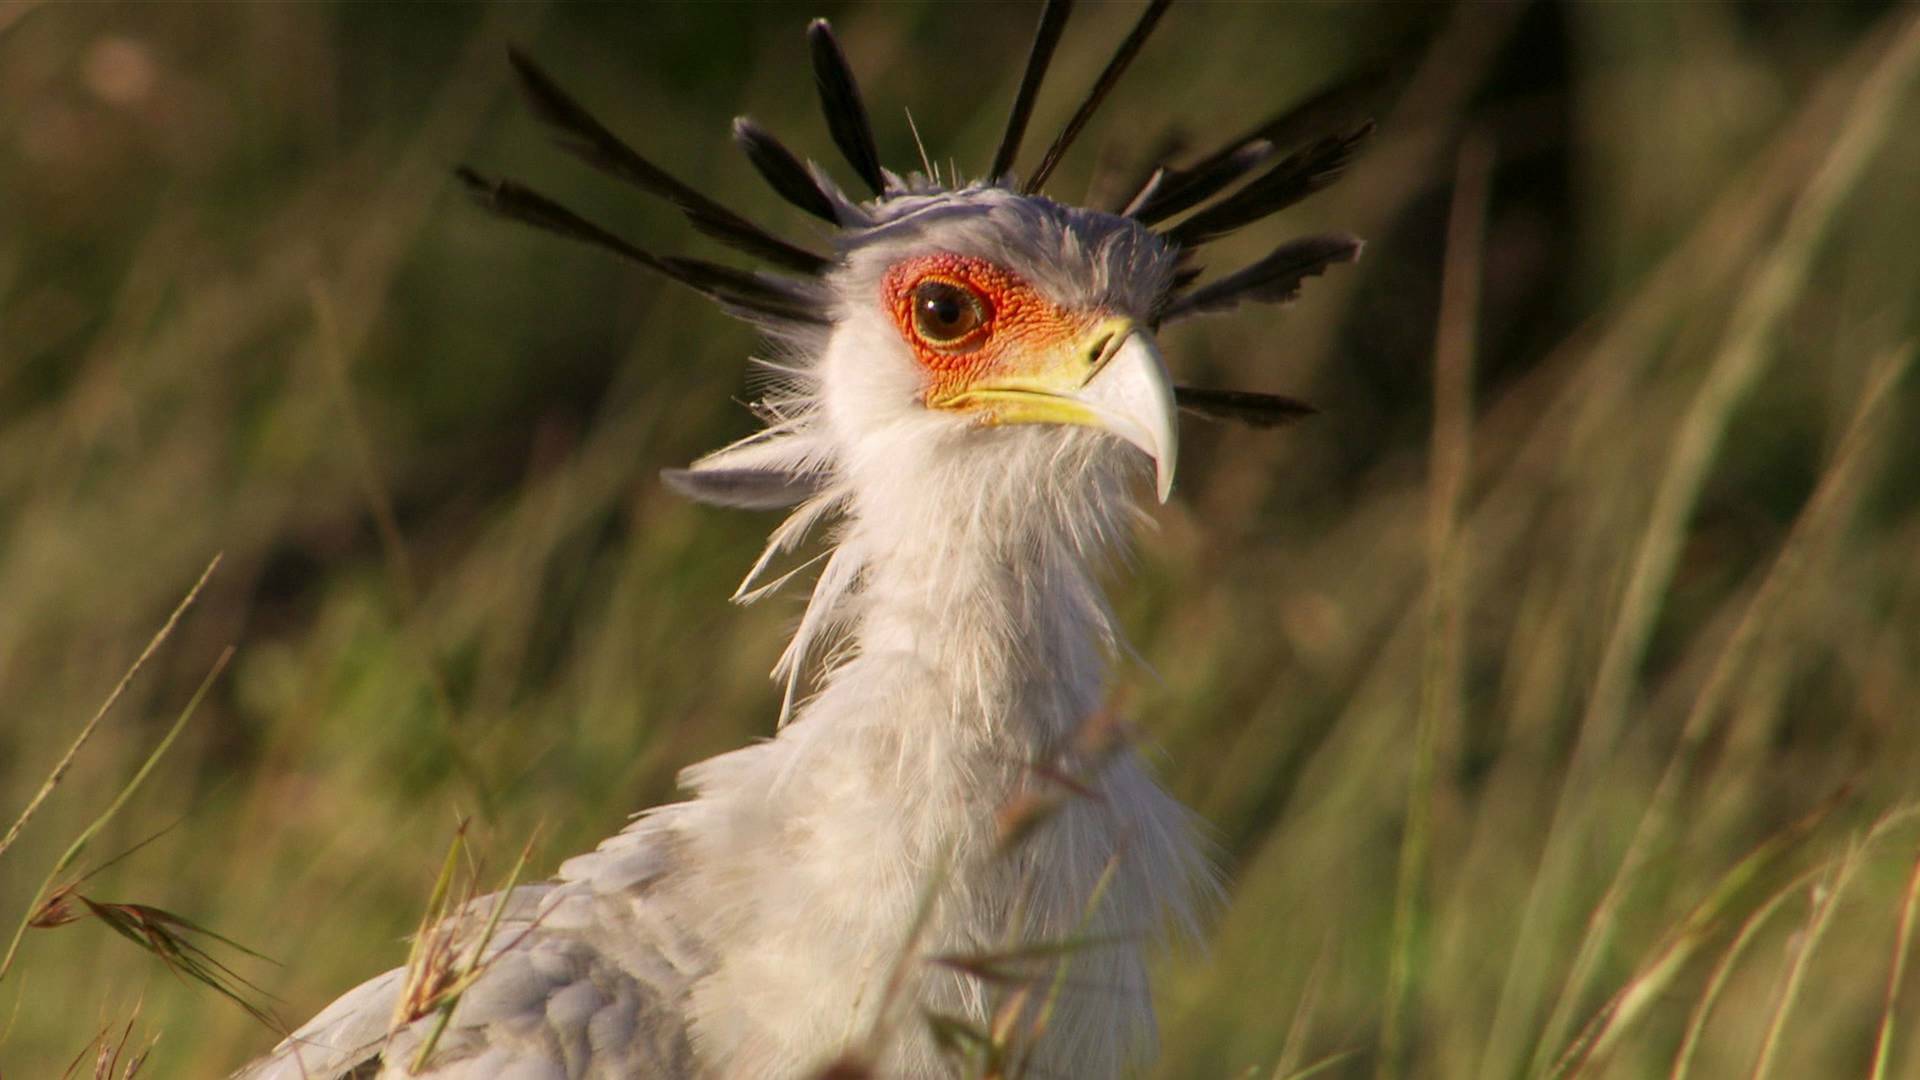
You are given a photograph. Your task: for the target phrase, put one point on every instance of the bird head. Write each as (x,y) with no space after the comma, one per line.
(964,317)
(964,340)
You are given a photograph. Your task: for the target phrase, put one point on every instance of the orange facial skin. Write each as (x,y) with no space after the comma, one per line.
(1018,327)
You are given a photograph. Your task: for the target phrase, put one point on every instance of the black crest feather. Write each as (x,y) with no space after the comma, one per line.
(1053,20)
(588,139)
(1152,171)
(1297,176)
(840,101)
(1275,279)
(787,306)
(1248,407)
(781,170)
(1169,191)
(1101,87)
(1172,191)
(739,290)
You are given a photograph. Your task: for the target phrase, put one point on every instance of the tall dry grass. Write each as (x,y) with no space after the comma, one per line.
(1552,695)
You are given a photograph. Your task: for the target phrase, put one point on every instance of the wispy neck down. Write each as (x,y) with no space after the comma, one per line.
(962,644)
(978,571)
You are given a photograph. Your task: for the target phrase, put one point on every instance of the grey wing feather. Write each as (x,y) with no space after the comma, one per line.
(344,1036)
(745,489)
(581,980)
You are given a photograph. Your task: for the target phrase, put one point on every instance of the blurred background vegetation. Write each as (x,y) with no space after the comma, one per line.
(1556,687)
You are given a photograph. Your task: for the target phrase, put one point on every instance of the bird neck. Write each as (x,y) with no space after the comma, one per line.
(976,647)
(979,597)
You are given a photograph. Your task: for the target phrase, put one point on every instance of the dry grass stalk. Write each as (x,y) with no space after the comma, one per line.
(1072,772)
(1442,678)
(1023,815)
(169,938)
(1896,973)
(166,936)
(1096,742)
(1825,510)
(1749,929)
(1824,895)
(446,958)
(430,955)
(1029,975)
(111,1058)
(86,730)
(1045,1012)
(1003,1049)
(874,1046)
(1288,1063)
(1736,364)
(1316,1068)
(1692,933)
(1823,899)
(80,842)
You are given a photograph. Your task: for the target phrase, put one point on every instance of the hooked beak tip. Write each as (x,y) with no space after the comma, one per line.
(1132,396)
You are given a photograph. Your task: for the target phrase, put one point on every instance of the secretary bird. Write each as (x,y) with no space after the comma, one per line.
(945,851)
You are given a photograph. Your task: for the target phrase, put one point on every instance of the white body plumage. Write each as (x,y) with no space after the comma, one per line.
(762,920)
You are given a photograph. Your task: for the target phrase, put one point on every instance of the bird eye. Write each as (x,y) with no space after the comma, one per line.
(945,313)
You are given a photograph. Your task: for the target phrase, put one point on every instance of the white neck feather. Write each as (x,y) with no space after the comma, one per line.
(976,648)
(981,576)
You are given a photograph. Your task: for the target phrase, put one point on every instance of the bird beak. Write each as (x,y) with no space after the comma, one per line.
(1131,395)
(1112,379)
